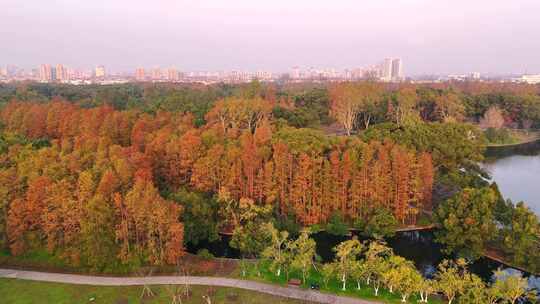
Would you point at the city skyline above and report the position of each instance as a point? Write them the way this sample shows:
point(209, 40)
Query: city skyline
point(389, 69)
point(433, 37)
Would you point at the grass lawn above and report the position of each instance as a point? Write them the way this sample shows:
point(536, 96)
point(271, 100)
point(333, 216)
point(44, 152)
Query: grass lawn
point(14, 291)
point(65, 293)
point(44, 261)
point(334, 286)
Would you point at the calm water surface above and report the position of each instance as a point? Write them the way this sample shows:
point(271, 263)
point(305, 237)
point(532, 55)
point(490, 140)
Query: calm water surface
point(516, 170)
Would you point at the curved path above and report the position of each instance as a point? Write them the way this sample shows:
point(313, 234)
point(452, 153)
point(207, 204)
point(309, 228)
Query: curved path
point(288, 292)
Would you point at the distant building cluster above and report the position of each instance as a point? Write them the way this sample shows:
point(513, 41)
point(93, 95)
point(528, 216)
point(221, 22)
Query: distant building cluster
point(62, 74)
point(157, 74)
point(389, 70)
point(530, 79)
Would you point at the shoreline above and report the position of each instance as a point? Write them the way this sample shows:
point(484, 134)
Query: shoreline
point(494, 256)
point(534, 137)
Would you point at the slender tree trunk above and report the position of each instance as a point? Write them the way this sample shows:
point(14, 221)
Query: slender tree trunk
point(367, 121)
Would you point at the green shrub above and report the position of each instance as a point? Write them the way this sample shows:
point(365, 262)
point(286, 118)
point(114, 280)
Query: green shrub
point(205, 254)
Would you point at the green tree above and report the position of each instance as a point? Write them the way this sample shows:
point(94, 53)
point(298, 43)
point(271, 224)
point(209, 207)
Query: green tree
point(250, 236)
point(404, 111)
point(358, 272)
point(410, 280)
point(511, 287)
point(328, 271)
point(303, 253)
point(347, 253)
point(199, 216)
point(396, 267)
point(276, 251)
point(467, 221)
point(376, 265)
point(520, 238)
point(381, 224)
point(337, 226)
point(453, 146)
point(426, 288)
point(450, 278)
point(97, 233)
point(250, 240)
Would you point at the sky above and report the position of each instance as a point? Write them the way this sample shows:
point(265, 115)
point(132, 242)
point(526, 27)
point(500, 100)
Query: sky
point(431, 36)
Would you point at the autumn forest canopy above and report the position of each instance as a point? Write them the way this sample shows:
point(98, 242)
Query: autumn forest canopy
point(114, 176)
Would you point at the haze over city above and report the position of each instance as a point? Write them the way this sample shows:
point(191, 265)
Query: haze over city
point(431, 37)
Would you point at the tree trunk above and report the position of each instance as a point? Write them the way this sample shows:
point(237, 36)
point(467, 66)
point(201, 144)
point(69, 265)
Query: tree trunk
point(366, 122)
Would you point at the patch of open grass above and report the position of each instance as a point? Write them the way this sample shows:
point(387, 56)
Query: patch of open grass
point(41, 260)
point(14, 291)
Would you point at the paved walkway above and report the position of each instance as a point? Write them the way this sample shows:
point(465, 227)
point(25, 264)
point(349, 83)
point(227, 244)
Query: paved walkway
point(288, 292)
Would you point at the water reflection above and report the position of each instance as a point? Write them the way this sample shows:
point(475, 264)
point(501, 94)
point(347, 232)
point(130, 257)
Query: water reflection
point(516, 169)
point(417, 246)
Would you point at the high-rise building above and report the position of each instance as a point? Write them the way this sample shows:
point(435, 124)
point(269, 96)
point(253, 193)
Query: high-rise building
point(99, 71)
point(61, 73)
point(172, 74)
point(156, 74)
point(34, 73)
point(397, 69)
point(45, 73)
point(53, 74)
point(295, 73)
point(139, 74)
point(386, 69)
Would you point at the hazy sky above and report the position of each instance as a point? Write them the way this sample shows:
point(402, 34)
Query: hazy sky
point(431, 36)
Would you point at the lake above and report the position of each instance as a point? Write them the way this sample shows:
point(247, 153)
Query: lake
point(516, 170)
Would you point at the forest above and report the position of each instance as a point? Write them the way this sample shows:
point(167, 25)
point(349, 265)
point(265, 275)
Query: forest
point(113, 177)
